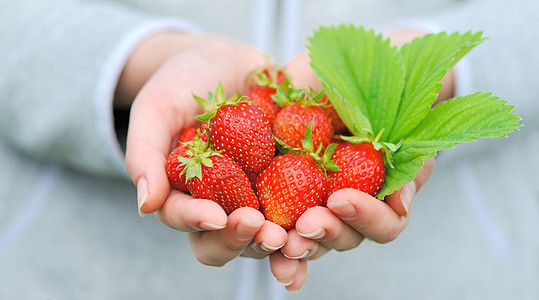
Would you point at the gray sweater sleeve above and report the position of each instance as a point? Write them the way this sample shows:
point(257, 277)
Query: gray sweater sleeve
point(507, 62)
point(59, 68)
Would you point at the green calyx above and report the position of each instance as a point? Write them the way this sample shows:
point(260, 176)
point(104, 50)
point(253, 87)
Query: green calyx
point(199, 154)
point(291, 96)
point(322, 159)
point(387, 148)
point(269, 76)
point(214, 101)
point(288, 97)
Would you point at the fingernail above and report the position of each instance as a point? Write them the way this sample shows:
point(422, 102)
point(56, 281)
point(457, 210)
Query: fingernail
point(247, 229)
point(303, 255)
point(257, 247)
point(294, 291)
point(317, 234)
point(269, 248)
point(142, 194)
point(210, 226)
point(263, 248)
point(407, 195)
point(344, 209)
point(286, 283)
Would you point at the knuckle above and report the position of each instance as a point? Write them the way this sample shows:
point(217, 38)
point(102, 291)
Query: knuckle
point(221, 257)
point(208, 260)
point(391, 235)
point(352, 244)
point(231, 247)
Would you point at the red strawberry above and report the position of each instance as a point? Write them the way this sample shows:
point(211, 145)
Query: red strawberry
point(174, 168)
point(224, 182)
point(361, 167)
point(340, 145)
point(252, 179)
point(289, 186)
point(189, 139)
point(336, 122)
point(261, 97)
point(240, 131)
point(188, 134)
point(276, 75)
point(270, 76)
point(263, 84)
point(291, 122)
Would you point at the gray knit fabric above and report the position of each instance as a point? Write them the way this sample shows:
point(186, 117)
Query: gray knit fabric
point(69, 227)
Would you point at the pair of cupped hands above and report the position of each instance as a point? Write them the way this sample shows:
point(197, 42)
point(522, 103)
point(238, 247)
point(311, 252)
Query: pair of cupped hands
point(158, 82)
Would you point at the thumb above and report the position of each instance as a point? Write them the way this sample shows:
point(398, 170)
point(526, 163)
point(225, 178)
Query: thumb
point(401, 200)
point(159, 112)
point(148, 145)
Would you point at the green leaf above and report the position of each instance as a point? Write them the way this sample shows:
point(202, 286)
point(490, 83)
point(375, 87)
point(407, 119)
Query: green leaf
point(407, 161)
point(362, 74)
point(427, 60)
point(453, 122)
point(466, 118)
point(384, 95)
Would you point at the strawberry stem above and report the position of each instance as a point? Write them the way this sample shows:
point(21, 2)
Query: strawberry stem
point(377, 138)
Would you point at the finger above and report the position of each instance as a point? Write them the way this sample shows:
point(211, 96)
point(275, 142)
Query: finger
point(301, 73)
point(299, 278)
point(403, 35)
point(371, 217)
point(299, 247)
point(270, 238)
point(216, 248)
point(401, 200)
point(185, 213)
point(291, 273)
point(165, 105)
point(154, 124)
point(323, 226)
point(424, 174)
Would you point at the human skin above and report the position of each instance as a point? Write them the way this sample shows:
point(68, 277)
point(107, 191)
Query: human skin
point(350, 215)
point(157, 83)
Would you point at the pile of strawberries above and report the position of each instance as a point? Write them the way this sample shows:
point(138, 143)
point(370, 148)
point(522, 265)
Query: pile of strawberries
point(274, 148)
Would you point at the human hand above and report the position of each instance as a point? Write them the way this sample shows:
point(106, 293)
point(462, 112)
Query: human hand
point(349, 218)
point(161, 76)
point(350, 215)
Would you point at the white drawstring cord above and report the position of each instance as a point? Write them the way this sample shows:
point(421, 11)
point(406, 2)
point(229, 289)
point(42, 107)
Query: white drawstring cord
point(476, 202)
point(23, 221)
